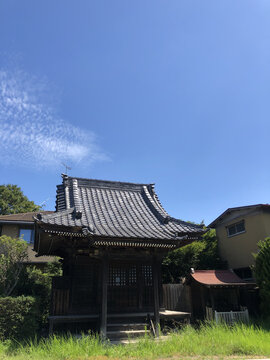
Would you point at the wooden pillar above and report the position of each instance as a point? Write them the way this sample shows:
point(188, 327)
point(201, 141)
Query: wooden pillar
point(238, 298)
point(212, 299)
point(156, 295)
point(202, 292)
point(140, 286)
point(160, 286)
point(104, 290)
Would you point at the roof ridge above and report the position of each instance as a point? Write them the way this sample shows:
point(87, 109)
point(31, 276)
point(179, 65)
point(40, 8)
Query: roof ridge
point(158, 211)
point(66, 177)
point(75, 194)
point(183, 222)
point(156, 199)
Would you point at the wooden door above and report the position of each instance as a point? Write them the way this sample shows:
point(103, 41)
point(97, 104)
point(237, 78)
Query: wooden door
point(130, 287)
point(85, 286)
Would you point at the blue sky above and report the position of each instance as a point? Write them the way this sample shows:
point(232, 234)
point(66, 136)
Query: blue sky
point(171, 92)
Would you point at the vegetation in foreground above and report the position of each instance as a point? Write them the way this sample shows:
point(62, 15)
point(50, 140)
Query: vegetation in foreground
point(208, 341)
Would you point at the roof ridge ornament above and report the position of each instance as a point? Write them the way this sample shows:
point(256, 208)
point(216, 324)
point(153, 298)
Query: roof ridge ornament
point(88, 230)
point(38, 216)
point(166, 219)
point(64, 176)
point(77, 214)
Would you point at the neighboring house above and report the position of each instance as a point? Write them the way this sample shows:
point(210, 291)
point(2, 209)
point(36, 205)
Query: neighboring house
point(238, 231)
point(22, 225)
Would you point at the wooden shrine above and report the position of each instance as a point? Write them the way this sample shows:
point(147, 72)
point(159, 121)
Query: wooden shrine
point(111, 237)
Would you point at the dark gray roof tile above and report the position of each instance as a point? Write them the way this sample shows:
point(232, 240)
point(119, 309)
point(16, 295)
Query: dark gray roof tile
point(115, 209)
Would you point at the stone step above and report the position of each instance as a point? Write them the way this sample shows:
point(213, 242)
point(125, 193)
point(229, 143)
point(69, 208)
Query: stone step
point(161, 338)
point(125, 334)
point(123, 341)
point(125, 320)
point(126, 326)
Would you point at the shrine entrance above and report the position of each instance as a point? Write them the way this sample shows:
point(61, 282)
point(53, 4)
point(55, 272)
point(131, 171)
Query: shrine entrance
point(130, 287)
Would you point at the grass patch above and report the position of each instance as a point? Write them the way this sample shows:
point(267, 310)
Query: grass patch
point(207, 341)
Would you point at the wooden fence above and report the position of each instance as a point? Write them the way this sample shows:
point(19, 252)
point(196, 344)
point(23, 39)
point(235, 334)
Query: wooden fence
point(232, 317)
point(228, 317)
point(177, 297)
point(60, 301)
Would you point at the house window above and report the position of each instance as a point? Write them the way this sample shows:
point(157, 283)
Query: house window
point(236, 228)
point(27, 235)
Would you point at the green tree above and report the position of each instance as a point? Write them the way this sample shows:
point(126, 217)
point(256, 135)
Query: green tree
point(13, 252)
point(201, 254)
point(262, 274)
point(13, 201)
point(37, 283)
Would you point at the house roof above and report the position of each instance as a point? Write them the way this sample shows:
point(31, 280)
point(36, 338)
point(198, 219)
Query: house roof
point(217, 278)
point(27, 218)
point(114, 209)
point(239, 208)
point(22, 217)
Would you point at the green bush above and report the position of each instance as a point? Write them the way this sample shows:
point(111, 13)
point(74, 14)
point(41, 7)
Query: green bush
point(37, 283)
point(18, 317)
point(262, 273)
point(13, 252)
point(201, 254)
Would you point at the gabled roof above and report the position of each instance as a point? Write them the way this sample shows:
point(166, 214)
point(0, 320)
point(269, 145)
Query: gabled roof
point(234, 209)
point(114, 210)
point(217, 278)
point(22, 217)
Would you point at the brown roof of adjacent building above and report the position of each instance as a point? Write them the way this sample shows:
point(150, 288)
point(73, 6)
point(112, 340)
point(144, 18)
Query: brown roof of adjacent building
point(24, 217)
point(217, 277)
point(239, 208)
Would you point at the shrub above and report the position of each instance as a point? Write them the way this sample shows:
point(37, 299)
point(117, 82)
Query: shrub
point(200, 254)
point(18, 317)
point(262, 271)
point(12, 254)
point(37, 283)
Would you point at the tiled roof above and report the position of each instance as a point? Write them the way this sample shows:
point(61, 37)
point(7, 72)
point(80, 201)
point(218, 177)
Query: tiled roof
point(114, 209)
point(24, 217)
point(217, 277)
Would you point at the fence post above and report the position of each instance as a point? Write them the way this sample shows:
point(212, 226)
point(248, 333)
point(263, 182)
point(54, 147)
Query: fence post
point(246, 315)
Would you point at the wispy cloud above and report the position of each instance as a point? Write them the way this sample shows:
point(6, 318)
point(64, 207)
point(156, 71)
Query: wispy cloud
point(31, 134)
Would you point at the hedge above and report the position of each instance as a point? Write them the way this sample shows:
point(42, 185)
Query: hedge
point(18, 317)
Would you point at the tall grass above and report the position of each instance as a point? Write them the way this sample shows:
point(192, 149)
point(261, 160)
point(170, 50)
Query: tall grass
point(207, 340)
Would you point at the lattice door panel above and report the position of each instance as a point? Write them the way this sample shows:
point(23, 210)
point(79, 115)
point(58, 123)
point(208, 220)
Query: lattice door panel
point(122, 287)
point(130, 287)
point(147, 279)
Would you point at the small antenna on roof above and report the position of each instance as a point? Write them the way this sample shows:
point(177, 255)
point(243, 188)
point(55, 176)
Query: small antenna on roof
point(43, 204)
point(67, 167)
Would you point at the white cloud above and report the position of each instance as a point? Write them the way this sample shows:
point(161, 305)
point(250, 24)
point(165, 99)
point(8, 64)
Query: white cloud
point(31, 134)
